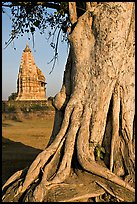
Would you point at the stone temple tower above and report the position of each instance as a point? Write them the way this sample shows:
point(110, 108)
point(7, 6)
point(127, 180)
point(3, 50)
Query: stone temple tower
point(31, 81)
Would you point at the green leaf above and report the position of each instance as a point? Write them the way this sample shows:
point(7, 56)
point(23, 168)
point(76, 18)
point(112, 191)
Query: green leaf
point(57, 12)
point(98, 146)
point(36, 23)
point(98, 154)
point(97, 149)
point(32, 29)
point(101, 156)
point(103, 149)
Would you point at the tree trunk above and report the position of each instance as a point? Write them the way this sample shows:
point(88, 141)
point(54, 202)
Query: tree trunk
point(95, 108)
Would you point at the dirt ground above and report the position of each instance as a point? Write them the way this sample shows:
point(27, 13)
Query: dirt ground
point(22, 141)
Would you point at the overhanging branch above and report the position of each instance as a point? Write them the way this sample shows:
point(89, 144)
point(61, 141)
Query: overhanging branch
point(45, 4)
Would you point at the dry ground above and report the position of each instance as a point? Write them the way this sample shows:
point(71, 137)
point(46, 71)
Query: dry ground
point(22, 141)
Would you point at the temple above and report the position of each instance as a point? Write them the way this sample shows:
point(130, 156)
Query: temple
point(31, 81)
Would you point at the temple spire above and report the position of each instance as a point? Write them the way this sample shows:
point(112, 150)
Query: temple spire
point(31, 81)
point(27, 49)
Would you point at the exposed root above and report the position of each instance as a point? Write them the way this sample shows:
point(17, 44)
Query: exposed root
point(110, 192)
point(96, 169)
point(14, 177)
point(65, 166)
point(46, 161)
point(49, 171)
point(50, 176)
point(55, 169)
point(87, 162)
point(44, 156)
point(115, 122)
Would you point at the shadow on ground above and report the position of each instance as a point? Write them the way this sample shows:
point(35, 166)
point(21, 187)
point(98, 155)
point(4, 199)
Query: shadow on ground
point(6, 125)
point(15, 156)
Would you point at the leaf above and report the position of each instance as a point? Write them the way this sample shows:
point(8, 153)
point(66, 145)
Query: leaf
point(32, 29)
point(98, 154)
point(103, 149)
point(98, 145)
point(91, 144)
point(57, 12)
point(101, 156)
point(97, 148)
point(36, 23)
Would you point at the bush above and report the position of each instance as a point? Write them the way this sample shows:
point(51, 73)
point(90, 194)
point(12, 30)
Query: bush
point(50, 98)
point(3, 107)
point(38, 107)
point(25, 109)
point(10, 109)
point(12, 97)
point(16, 118)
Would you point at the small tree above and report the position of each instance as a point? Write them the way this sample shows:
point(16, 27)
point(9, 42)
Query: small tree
point(12, 97)
point(94, 110)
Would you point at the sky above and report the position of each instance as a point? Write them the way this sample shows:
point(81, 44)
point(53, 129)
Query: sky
point(42, 53)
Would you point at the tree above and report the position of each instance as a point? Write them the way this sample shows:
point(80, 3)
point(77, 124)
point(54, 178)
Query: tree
point(91, 150)
point(12, 97)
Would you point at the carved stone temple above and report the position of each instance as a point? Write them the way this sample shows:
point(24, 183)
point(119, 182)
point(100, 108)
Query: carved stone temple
point(31, 81)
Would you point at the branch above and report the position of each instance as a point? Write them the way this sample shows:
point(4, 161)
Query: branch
point(88, 6)
point(56, 53)
point(72, 12)
point(45, 4)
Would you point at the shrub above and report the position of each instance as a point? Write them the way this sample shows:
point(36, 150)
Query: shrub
point(10, 109)
point(38, 107)
point(25, 109)
point(12, 97)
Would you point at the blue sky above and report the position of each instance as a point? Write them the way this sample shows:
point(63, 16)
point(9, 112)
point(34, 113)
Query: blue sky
point(42, 53)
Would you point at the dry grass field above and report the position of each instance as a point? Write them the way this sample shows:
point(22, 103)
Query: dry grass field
point(22, 141)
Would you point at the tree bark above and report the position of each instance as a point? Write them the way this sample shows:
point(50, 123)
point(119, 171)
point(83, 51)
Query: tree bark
point(94, 107)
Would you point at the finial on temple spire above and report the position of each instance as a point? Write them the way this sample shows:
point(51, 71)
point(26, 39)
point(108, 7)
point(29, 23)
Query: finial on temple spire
point(27, 48)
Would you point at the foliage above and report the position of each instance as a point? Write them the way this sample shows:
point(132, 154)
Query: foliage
point(12, 97)
point(27, 17)
point(34, 108)
point(3, 107)
point(25, 107)
point(16, 118)
point(10, 109)
point(50, 98)
point(37, 107)
point(99, 151)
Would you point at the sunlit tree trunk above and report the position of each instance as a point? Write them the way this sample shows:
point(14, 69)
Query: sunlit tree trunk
point(95, 107)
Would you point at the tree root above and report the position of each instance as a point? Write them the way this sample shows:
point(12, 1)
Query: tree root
point(55, 170)
point(86, 159)
point(115, 125)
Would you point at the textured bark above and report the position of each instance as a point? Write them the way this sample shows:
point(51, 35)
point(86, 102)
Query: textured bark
point(95, 106)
